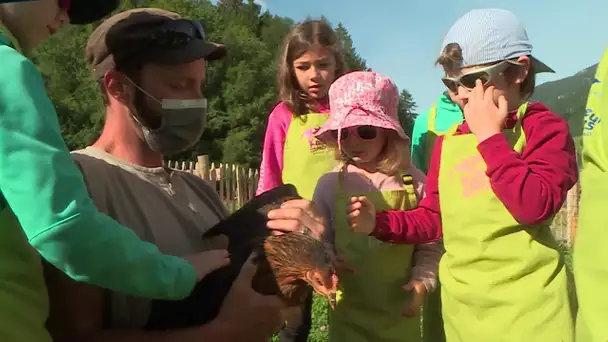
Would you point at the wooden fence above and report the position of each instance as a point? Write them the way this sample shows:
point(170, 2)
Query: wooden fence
point(565, 222)
point(236, 185)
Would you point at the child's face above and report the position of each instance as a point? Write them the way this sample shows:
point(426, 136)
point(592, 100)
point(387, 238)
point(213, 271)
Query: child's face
point(315, 70)
point(504, 76)
point(32, 22)
point(363, 144)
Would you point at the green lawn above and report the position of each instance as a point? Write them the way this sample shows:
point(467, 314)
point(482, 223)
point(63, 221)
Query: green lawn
point(318, 332)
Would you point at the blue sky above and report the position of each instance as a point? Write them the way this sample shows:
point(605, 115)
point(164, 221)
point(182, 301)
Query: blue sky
point(401, 38)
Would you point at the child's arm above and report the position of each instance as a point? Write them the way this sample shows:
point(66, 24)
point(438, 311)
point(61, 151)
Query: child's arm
point(426, 262)
point(323, 199)
point(533, 185)
point(271, 167)
point(419, 225)
point(424, 275)
point(43, 187)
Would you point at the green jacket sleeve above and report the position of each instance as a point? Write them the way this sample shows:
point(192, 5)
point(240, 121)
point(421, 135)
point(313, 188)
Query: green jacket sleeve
point(419, 141)
point(42, 186)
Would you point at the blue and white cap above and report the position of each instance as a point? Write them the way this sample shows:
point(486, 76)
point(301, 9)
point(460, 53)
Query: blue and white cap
point(491, 35)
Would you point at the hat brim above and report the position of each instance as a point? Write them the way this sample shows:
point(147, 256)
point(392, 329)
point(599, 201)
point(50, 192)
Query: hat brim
point(196, 49)
point(540, 66)
point(82, 12)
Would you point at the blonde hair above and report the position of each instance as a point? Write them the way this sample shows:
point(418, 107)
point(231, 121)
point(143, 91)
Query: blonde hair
point(394, 156)
point(451, 59)
point(304, 36)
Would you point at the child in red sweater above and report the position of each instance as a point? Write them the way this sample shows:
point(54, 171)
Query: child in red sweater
point(494, 184)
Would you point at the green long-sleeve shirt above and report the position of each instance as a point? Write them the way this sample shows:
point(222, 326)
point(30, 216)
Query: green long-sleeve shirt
point(42, 186)
point(447, 113)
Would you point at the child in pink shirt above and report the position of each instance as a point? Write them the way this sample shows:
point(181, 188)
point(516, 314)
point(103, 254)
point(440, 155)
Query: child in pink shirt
point(310, 62)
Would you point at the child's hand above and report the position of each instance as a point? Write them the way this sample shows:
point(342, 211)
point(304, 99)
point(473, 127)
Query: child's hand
point(418, 292)
point(361, 215)
point(209, 261)
point(484, 116)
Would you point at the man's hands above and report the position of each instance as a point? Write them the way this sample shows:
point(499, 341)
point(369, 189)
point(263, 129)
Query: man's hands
point(361, 215)
point(249, 315)
point(483, 114)
point(209, 261)
point(297, 216)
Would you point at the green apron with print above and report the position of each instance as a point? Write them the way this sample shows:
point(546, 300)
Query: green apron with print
point(432, 323)
point(501, 281)
point(306, 158)
point(370, 303)
point(590, 252)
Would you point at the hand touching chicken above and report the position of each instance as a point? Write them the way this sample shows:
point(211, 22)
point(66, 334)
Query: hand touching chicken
point(418, 292)
point(361, 215)
point(209, 261)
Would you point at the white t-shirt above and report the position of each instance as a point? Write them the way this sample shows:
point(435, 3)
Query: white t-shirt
point(169, 208)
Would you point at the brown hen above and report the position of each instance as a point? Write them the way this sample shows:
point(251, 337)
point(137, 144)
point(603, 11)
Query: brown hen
point(287, 265)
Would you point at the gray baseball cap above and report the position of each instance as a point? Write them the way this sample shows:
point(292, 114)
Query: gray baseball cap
point(491, 35)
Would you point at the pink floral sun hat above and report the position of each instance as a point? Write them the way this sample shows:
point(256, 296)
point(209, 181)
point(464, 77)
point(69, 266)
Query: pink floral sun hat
point(362, 98)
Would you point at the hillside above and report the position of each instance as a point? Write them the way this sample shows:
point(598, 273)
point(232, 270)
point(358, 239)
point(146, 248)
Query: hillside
point(568, 97)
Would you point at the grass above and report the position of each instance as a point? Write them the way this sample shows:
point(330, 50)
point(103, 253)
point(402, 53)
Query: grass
point(318, 331)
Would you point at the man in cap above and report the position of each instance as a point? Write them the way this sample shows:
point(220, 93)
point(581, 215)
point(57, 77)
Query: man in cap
point(43, 199)
point(151, 65)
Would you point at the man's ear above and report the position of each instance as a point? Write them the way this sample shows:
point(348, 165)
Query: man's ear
point(117, 86)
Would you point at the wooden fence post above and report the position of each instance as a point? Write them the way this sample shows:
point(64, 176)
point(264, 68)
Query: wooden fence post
point(572, 202)
point(202, 166)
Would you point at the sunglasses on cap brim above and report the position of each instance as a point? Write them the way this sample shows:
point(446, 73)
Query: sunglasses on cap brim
point(486, 75)
point(176, 34)
point(364, 132)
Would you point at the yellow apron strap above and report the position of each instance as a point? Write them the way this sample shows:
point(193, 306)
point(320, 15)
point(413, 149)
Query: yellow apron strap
point(517, 129)
point(408, 182)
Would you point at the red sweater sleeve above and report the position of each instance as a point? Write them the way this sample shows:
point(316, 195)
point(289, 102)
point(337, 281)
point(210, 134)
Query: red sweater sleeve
point(533, 185)
point(419, 225)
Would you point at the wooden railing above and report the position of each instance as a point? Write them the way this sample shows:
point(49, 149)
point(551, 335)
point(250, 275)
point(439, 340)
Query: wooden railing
point(235, 184)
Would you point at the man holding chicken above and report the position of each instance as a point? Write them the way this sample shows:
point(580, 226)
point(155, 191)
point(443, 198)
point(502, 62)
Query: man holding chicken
point(151, 65)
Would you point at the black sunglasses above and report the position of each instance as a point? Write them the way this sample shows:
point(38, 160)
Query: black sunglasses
point(484, 74)
point(364, 132)
point(175, 34)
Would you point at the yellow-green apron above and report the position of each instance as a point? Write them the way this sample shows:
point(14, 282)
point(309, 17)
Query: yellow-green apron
point(432, 323)
point(370, 303)
point(501, 281)
point(590, 251)
point(306, 158)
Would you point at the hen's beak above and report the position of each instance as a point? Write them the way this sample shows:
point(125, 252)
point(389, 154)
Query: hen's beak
point(331, 299)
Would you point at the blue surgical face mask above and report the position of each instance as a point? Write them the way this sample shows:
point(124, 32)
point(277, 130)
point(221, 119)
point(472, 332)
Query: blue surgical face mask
point(182, 122)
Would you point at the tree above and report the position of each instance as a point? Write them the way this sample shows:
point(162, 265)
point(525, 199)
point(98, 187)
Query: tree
point(240, 89)
point(353, 61)
point(406, 114)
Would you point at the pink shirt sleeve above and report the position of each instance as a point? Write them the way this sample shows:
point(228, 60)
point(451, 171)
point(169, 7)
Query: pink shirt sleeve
point(271, 167)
